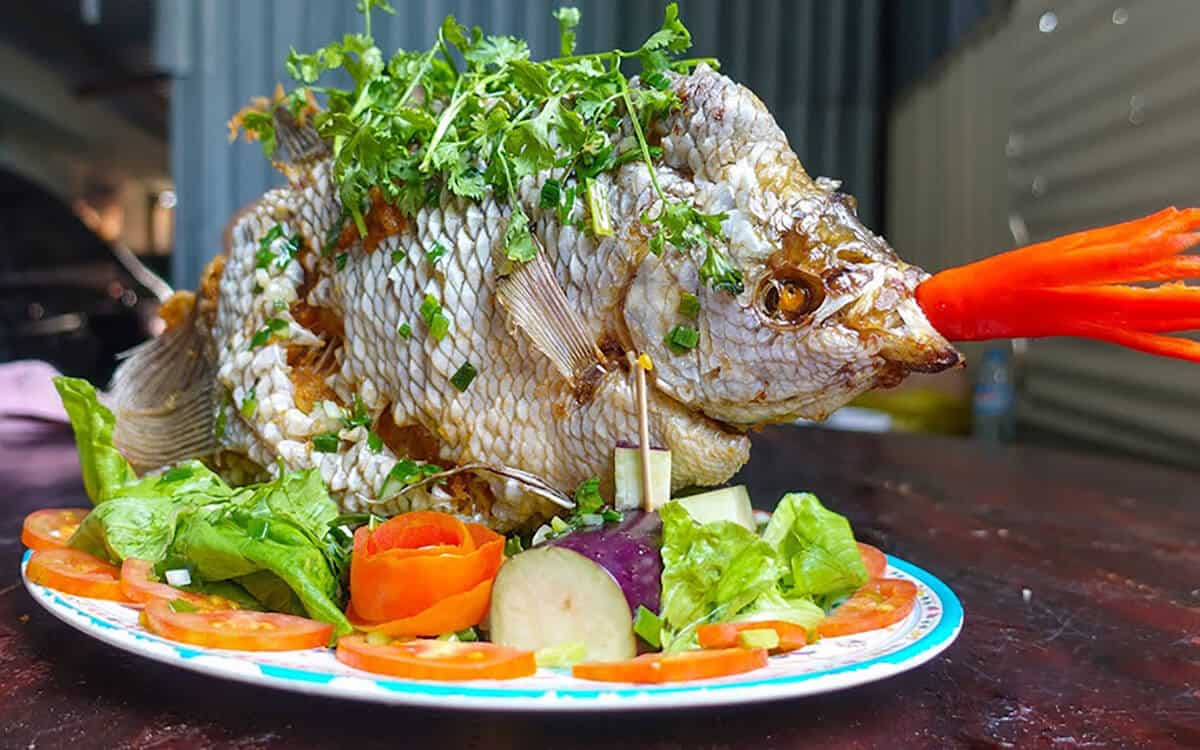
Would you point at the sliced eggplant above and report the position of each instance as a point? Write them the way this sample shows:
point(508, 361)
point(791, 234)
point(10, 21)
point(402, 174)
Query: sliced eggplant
point(549, 596)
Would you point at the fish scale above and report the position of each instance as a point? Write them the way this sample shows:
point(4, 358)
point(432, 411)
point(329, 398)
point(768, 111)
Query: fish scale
point(722, 152)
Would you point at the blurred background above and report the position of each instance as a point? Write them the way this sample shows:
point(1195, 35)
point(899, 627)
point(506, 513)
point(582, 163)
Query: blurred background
point(964, 127)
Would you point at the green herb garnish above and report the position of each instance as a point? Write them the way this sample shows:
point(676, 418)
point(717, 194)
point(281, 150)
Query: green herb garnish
point(339, 262)
point(462, 377)
point(182, 605)
point(249, 405)
point(435, 253)
point(398, 256)
point(268, 258)
point(326, 442)
point(374, 442)
point(473, 113)
point(405, 331)
point(359, 417)
point(689, 305)
point(682, 339)
point(587, 496)
point(263, 335)
point(405, 472)
point(434, 317)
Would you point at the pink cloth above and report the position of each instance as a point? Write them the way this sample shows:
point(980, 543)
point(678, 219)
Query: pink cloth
point(26, 390)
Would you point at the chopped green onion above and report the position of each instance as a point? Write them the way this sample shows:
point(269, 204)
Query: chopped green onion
point(339, 262)
point(513, 546)
point(561, 655)
point(181, 605)
point(612, 516)
point(405, 331)
point(597, 200)
point(374, 442)
point(267, 258)
point(398, 256)
point(682, 339)
point(358, 414)
point(759, 638)
point(222, 421)
point(558, 525)
point(462, 377)
point(249, 404)
point(405, 472)
point(648, 626)
point(439, 327)
point(591, 519)
point(178, 577)
point(326, 442)
point(689, 305)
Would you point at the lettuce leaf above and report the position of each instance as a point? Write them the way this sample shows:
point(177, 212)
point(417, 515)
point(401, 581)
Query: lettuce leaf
point(104, 468)
point(816, 547)
point(273, 541)
point(711, 572)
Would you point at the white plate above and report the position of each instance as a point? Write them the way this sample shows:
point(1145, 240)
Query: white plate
point(830, 664)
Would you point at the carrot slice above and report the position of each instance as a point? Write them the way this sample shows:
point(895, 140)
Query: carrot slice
point(691, 665)
point(449, 615)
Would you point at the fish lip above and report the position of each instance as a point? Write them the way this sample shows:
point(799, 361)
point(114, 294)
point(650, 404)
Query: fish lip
point(944, 358)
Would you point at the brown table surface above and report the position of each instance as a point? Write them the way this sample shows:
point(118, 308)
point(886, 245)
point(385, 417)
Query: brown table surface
point(1103, 651)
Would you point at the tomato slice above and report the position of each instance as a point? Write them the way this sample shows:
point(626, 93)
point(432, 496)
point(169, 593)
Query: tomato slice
point(50, 528)
point(691, 665)
point(398, 583)
point(876, 605)
point(454, 613)
point(436, 660)
point(235, 629)
point(875, 560)
point(138, 583)
point(75, 572)
point(725, 634)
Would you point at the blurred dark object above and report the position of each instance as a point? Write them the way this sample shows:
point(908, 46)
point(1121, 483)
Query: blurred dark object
point(66, 296)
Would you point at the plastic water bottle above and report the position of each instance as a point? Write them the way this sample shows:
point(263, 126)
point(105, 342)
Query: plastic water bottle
point(994, 403)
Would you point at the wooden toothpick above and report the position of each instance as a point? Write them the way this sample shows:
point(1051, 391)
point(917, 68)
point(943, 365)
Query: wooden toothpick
point(643, 431)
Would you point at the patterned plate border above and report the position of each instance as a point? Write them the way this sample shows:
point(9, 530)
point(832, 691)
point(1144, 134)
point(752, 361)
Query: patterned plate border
point(935, 623)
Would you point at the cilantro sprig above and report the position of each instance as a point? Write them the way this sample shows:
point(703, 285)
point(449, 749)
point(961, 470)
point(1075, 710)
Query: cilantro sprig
point(474, 113)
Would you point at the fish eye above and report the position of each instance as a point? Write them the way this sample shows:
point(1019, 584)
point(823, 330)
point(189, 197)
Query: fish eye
point(786, 299)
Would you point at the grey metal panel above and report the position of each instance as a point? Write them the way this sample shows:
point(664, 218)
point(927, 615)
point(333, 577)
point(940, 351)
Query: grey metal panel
point(814, 63)
point(1101, 123)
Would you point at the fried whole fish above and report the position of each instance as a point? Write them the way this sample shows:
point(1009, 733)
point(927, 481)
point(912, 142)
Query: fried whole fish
point(356, 360)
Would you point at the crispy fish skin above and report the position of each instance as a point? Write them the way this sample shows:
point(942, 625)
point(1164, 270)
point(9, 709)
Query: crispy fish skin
point(753, 365)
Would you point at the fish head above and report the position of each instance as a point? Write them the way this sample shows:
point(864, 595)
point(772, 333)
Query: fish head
point(827, 310)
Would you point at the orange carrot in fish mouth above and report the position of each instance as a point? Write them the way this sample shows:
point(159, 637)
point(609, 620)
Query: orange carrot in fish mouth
point(1080, 285)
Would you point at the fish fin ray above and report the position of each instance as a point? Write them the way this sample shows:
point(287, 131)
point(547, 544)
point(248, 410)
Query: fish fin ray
point(164, 397)
point(298, 142)
point(538, 306)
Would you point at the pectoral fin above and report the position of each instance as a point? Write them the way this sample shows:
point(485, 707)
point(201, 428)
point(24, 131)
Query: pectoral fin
point(164, 398)
point(538, 306)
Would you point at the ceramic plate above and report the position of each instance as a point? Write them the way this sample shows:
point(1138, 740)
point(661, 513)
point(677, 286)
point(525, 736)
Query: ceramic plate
point(830, 664)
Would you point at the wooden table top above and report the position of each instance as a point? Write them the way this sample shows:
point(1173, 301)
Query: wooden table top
point(1080, 578)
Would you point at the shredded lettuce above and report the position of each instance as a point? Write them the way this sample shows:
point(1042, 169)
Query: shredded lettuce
point(805, 559)
point(817, 548)
point(711, 572)
point(275, 543)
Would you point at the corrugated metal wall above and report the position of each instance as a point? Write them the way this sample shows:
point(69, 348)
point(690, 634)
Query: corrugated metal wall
point(814, 62)
point(1073, 113)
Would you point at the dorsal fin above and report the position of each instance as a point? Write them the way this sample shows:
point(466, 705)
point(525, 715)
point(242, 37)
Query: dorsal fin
point(296, 139)
point(164, 398)
point(537, 305)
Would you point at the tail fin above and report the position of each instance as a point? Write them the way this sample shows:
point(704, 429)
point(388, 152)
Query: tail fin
point(164, 398)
